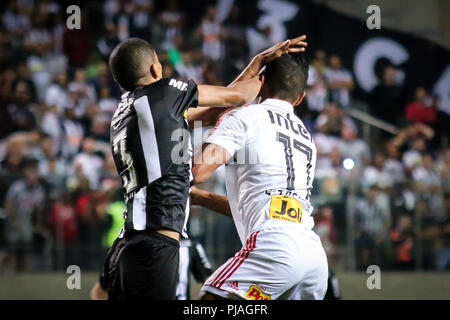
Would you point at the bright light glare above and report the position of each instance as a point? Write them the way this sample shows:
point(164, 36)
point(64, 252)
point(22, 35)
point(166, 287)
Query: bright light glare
point(348, 164)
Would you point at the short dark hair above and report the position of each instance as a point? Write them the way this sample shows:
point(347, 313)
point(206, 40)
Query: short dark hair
point(286, 76)
point(127, 62)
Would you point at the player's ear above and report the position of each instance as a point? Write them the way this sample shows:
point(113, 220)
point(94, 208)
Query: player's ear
point(156, 71)
point(261, 78)
point(299, 100)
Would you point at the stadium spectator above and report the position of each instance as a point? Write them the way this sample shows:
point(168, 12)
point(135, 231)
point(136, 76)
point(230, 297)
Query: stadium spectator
point(377, 175)
point(387, 98)
point(171, 21)
point(324, 227)
point(108, 41)
point(211, 34)
point(16, 22)
point(372, 223)
point(428, 185)
point(235, 42)
point(317, 93)
point(443, 254)
point(24, 206)
point(21, 110)
point(402, 236)
point(333, 119)
point(93, 223)
point(340, 81)
point(64, 225)
point(89, 163)
point(421, 110)
point(352, 147)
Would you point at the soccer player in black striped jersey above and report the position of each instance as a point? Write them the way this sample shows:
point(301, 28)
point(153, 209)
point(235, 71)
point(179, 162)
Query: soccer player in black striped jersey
point(147, 131)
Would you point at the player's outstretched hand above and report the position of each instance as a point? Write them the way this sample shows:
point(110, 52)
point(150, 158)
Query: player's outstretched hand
point(253, 69)
point(291, 45)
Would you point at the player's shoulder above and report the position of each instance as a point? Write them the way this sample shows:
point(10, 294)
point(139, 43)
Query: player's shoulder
point(166, 85)
point(247, 113)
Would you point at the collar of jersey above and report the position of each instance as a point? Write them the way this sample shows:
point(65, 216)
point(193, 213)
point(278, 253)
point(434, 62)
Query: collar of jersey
point(286, 106)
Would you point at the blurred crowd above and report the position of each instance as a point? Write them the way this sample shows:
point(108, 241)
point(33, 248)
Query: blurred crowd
point(60, 196)
point(387, 196)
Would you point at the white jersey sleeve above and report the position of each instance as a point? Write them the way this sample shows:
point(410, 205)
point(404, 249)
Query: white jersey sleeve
point(230, 132)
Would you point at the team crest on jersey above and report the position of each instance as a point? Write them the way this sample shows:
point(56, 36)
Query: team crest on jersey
point(255, 293)
point(286, 208)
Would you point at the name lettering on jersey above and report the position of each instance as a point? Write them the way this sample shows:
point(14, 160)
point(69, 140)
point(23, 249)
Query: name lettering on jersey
point(286, 208)
point(255, 293)
point(123, 109)
point(288, 123)
point(180, 85)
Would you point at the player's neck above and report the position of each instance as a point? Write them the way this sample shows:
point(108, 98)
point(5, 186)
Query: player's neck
point(147, 80)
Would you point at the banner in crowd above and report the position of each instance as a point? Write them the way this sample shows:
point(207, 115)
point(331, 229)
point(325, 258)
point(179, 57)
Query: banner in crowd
point(363, 51)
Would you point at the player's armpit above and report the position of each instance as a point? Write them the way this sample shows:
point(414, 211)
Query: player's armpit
point(210, 201)
point(211, 157)
point(239, 93)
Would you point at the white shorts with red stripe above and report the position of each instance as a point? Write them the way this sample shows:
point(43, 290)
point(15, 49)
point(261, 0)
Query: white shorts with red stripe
point(276, 263)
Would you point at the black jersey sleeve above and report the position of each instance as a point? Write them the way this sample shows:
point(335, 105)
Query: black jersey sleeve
point(183, 95)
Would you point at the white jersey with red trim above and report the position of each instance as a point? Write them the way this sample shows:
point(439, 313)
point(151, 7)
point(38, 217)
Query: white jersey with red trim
point(270, 175)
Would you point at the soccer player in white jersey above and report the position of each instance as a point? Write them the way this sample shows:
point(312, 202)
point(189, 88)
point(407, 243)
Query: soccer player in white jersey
point(270, 160)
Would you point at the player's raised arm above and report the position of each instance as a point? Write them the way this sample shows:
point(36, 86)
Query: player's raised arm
point(238, 94)
point(212, 157)
point(245, 87)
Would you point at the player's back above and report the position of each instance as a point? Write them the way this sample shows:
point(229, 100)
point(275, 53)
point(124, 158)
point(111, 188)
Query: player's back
point(275, 162)
point(152, 155)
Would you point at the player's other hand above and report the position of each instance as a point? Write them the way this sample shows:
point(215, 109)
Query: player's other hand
point(291, 45)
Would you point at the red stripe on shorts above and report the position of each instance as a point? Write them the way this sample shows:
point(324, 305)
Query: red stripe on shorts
point(251, 244)
point(232, 262)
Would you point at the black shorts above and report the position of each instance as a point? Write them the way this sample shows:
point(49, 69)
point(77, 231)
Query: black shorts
point(143, 265)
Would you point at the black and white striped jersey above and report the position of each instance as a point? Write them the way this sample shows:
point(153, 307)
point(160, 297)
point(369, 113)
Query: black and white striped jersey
point(152, 153)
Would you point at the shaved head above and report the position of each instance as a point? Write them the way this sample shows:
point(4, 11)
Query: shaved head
point(130, 62)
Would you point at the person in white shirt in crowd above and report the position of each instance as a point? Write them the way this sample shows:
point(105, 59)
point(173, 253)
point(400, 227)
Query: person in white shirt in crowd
point(428, 183)
point(211, 31)
point(444, 169)
point(56, 94)
point(56, 101)
point(393, 163)
point(16, 22)
point(171, 19)
point(372, 222)
point(413, 156)
point(89, 163)
point(325, 144)
point(377, 175)
point(84, 87)
point(72, 134)
point(353, 148)
point(340, 81)
point(333, 119)
point(107, 103)
point(317, 93)
point(24, 208)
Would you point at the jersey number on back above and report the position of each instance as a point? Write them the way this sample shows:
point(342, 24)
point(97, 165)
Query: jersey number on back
point(286, 141)
point(128, 174)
